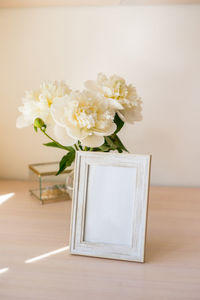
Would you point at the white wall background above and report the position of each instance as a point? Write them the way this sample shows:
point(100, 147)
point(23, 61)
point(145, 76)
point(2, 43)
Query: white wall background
point(157, 48)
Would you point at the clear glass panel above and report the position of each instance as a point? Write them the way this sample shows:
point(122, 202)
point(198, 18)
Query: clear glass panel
point(48, 188)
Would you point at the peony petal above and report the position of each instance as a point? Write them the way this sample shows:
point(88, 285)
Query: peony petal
point(50, 129)
point(91, 85)
point(101, 77)
point(93, 141)
point(62, 137)
point(121, 116)
point(115, 104)
point(57, 110)
point(110, 131)
point(76, 132)
point(21, 122)
point(132, 116)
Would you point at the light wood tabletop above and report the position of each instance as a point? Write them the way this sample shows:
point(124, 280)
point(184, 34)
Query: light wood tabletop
point(28, 230)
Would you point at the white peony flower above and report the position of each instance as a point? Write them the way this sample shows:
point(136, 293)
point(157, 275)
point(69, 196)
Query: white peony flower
point(116, 89)
point(83, 116)
point(36, 104)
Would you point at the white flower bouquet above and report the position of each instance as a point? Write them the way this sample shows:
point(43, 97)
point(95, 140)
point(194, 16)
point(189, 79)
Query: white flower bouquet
point(87, 120)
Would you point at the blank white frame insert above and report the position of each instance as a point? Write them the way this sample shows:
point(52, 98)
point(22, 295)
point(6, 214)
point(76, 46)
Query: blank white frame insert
point(107, 222)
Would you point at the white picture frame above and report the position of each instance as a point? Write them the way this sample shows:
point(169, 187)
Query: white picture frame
point(109, 207)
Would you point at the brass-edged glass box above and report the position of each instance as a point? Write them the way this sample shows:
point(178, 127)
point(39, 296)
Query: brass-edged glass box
point(47, 187)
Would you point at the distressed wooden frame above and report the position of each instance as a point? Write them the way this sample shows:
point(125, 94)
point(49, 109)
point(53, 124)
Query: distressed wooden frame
point(135, 252)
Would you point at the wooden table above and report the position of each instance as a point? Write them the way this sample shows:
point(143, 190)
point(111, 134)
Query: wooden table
point(28, 230)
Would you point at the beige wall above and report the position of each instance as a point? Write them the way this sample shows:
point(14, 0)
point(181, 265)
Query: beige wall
point(155, 47)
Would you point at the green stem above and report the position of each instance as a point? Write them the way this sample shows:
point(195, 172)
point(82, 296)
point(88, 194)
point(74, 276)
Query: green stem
point(117, 139)
point(75, 146)
point(51, 138)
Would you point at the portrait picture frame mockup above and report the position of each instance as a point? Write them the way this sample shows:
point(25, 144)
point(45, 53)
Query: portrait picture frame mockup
point(109, 205)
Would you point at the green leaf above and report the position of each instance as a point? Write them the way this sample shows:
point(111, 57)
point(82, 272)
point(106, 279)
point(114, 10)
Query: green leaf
point(57, 145)
point(111, 143)
point(119, 123)
point(104, 148)
point(35, 128)
point(119, 144)
point(115, 143)
point(66, 161)
point(80, 146)
point(95, 149)
point(119, 150)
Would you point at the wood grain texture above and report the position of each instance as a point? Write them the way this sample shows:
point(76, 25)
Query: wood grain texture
point(28, 229)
